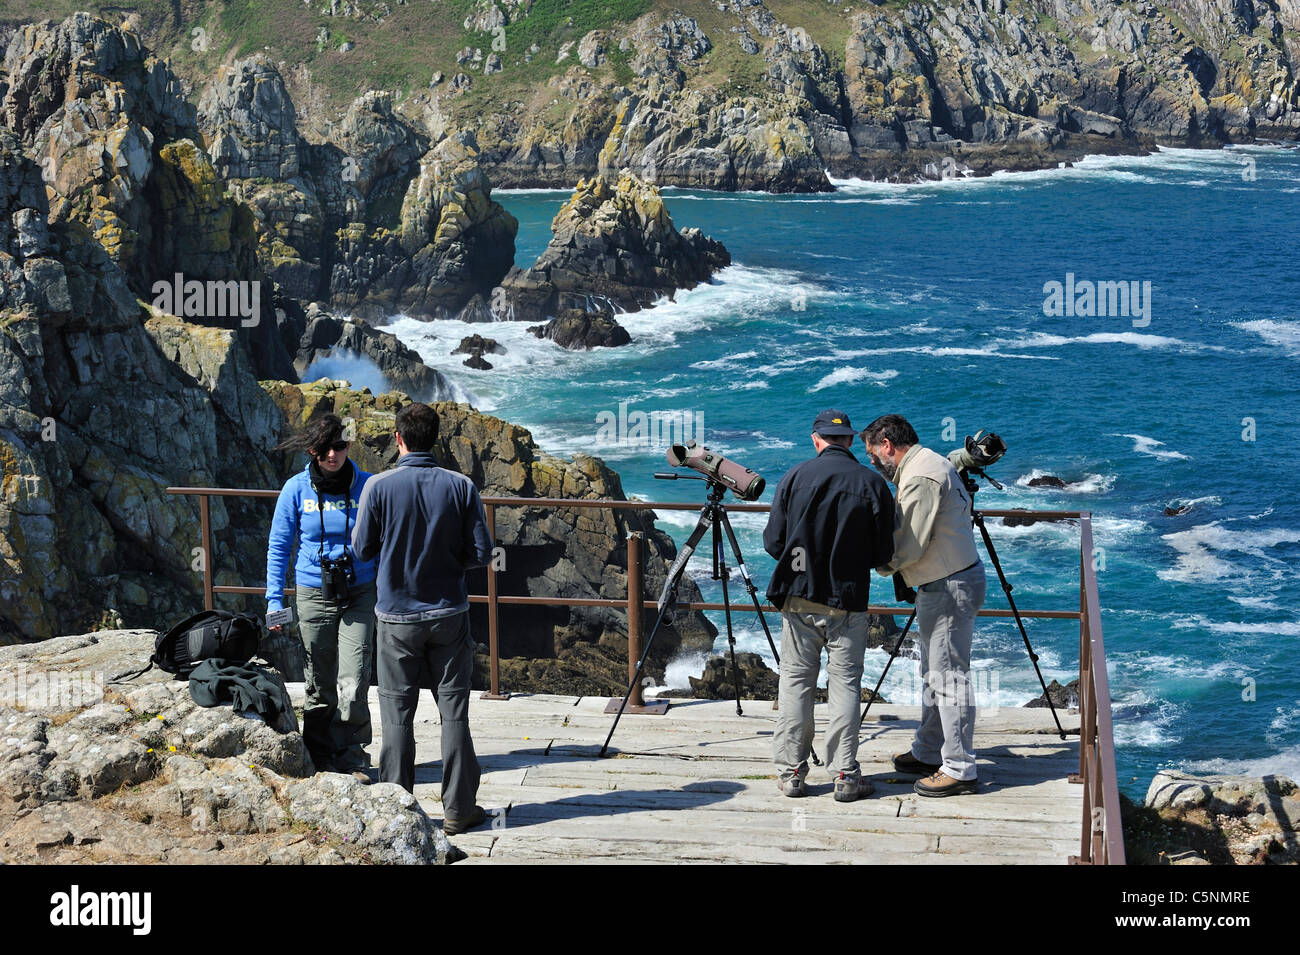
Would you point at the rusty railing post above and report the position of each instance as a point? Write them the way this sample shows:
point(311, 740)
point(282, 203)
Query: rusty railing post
point(205, 531)
point(634, 615)
point(494, 641)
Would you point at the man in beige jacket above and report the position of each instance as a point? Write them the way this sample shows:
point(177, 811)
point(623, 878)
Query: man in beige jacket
point(934, 551)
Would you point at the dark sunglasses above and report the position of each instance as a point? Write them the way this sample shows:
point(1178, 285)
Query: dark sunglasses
point(336, 446)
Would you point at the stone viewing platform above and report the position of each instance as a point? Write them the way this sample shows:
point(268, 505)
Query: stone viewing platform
point(698, 785)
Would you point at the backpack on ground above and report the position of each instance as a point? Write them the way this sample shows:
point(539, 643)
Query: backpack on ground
point(206, 635)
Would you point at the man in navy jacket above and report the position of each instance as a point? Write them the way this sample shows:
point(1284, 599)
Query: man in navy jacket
point(832, 521)
point(427, 527)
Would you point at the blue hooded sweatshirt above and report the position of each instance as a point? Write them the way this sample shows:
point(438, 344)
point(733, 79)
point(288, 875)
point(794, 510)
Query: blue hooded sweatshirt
point(298, 521)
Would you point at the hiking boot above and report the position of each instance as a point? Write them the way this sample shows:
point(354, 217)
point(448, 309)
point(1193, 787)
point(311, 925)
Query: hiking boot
point(907, 763)
point(793, 786)
point(454, 827)
point(351, 760)
point(941, 784)
point(849, 788)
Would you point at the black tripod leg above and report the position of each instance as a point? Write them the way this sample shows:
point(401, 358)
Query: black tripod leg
point(640, 663)
point(758, 607)
point(749, 585)
point(1006, 588)
point(720, 571)
point(666, 600)
point(888, 663)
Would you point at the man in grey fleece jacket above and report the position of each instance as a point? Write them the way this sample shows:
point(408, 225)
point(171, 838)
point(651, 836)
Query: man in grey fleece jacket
point(427, 527)
point(934, 550)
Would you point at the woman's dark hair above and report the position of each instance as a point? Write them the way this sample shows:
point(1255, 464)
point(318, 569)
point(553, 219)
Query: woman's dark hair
point(891, 426)
point(418, 425)
point(318, 433)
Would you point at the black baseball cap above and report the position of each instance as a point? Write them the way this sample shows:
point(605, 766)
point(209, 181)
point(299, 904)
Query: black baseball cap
point(833, 424)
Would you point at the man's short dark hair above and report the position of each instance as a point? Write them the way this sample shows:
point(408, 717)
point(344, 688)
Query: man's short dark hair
point(418, 425)
point(891, 426)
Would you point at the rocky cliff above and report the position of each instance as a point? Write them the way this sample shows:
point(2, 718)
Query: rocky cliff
point(722, 94)
point(137, 773)
point(104, 404)
point(900, 90)
point(108, 397)
point(613, 247)
point(373, 220)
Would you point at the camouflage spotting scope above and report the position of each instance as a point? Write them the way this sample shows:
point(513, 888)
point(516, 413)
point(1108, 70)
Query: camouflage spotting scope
point(744, 483)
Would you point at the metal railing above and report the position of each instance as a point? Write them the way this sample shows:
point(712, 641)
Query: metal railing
point(1101, 841)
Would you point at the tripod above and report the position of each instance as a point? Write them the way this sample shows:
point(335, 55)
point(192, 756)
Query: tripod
point(712, 515)
point(978, 520)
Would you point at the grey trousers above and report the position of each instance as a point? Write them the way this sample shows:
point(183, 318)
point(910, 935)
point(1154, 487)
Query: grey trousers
point(337, 662)
point(806, 627)
point(446, 648)
point(945, 619)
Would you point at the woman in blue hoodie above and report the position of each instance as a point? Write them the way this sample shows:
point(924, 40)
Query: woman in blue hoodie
point(316, 513)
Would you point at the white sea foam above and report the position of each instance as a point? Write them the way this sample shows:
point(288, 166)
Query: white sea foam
point(725, 362)
point(1142, 667)
point(1140, 721)
point(748, 385)
point(1280, 334)
point(846, 375)
point(1201, 550)
point(1284, 628)
point(1161, 166)
point(1210, 500)
point(1150, 446)
point(679, 670)
point(1088, 484)
point(939, 351)
point(1285, 762)
point(856, 331)
point(768, 441)
point(361, 371)
point(1254, 602)
point(1139, 340)
point(1285, 719)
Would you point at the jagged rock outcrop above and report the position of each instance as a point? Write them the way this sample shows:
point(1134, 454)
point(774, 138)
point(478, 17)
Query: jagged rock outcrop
point(102, 407)
point(657, 125)
point(925, 90)
point(119, 153)
point(982, 86)
point(475, 346)
point(578, 329)
point(1218, 820)
point(477, 343)
point(372, 221)
point(613, 247)
point(1062, 697)
point(402, 367)
point(757, 681)
point(562, 551)
point(136, 772)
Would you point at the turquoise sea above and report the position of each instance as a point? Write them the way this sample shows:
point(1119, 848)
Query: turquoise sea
point(928, 300)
